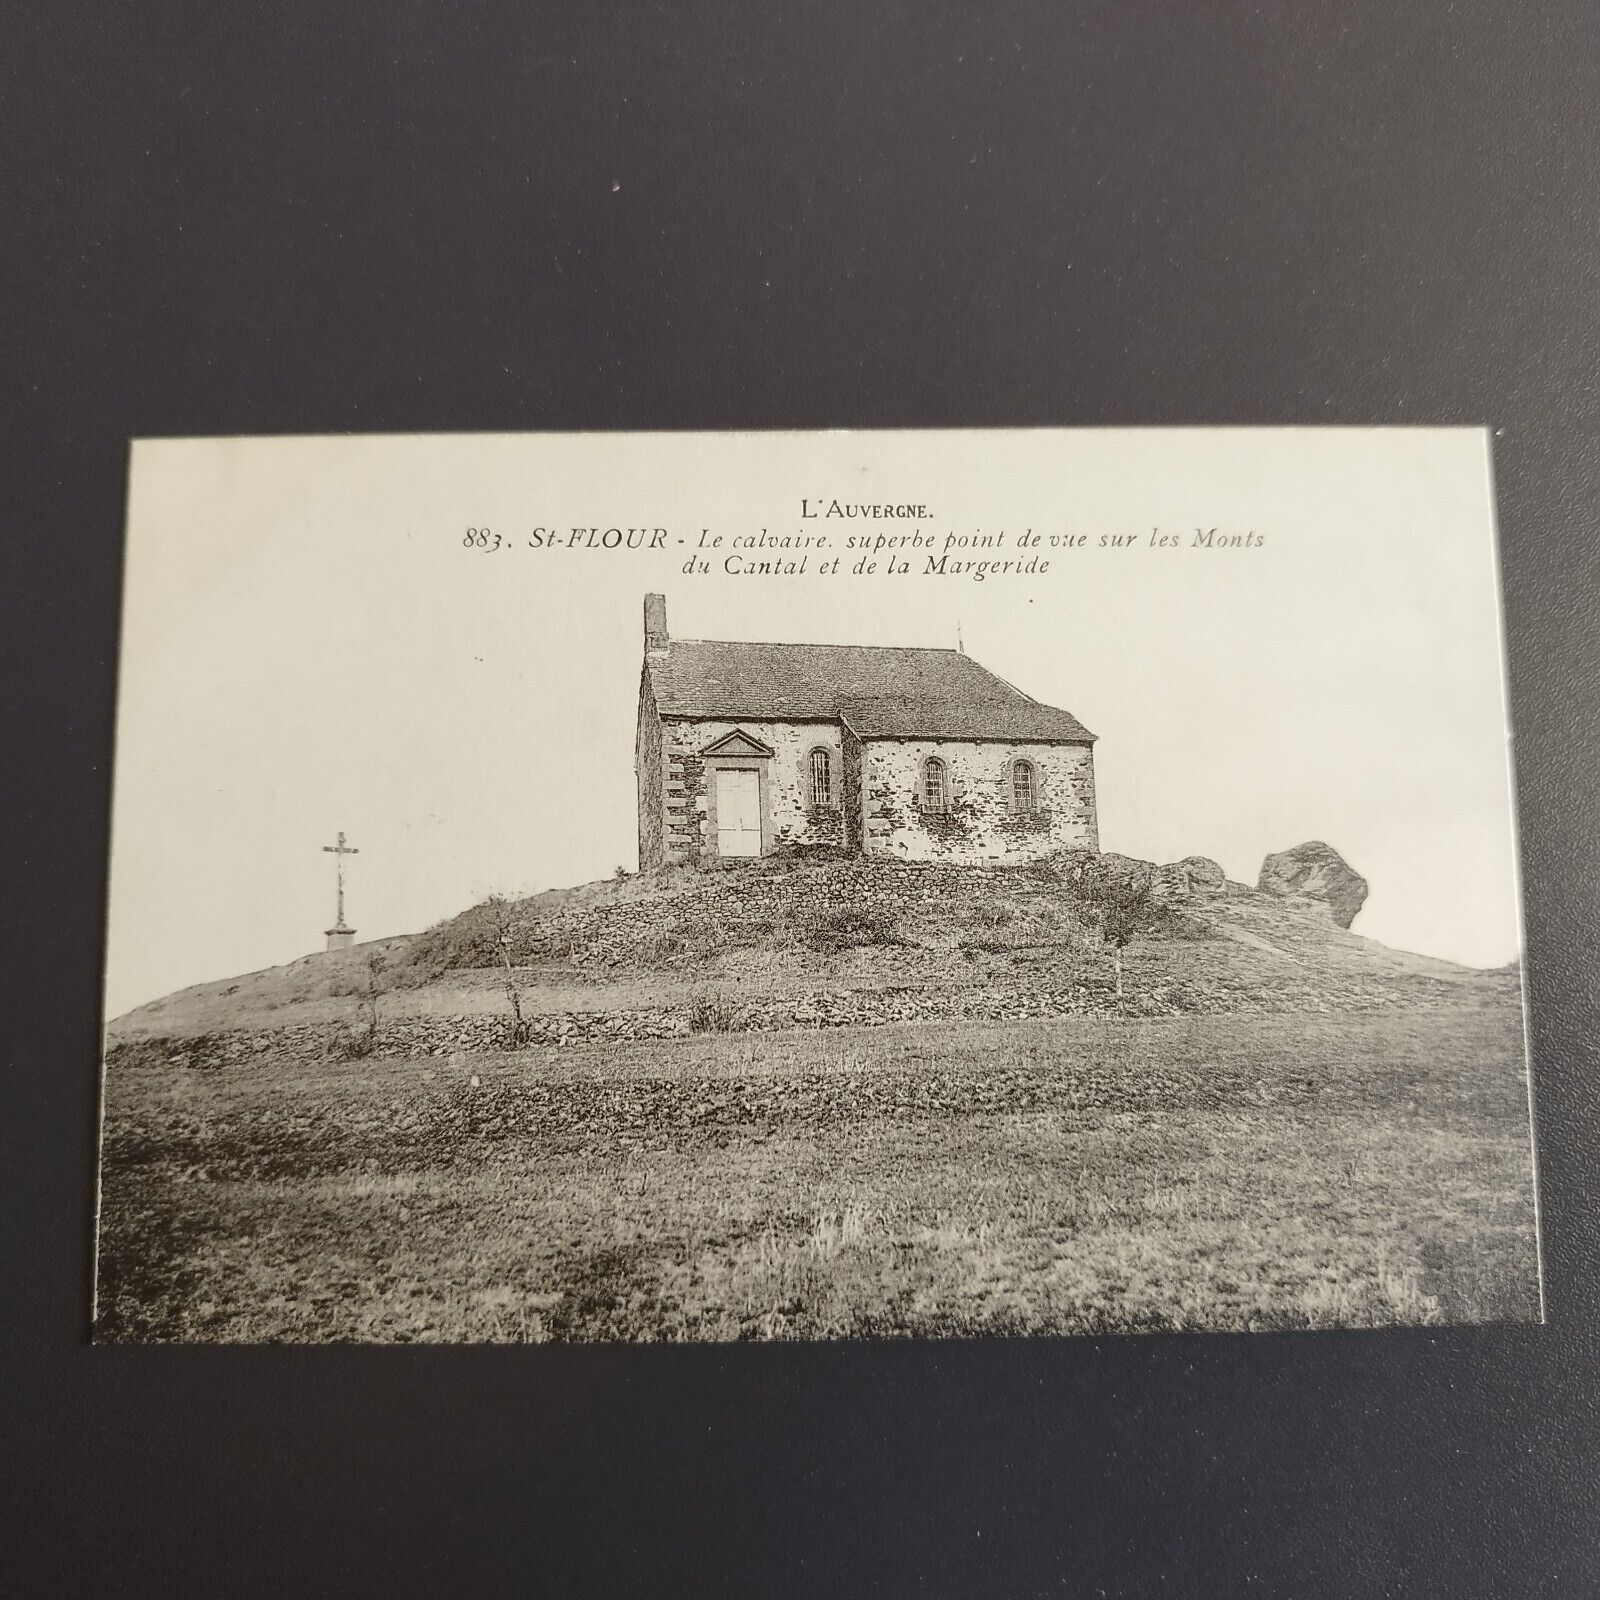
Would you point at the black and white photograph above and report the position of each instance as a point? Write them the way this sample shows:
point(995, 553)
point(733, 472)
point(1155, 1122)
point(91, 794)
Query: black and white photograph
point(813, 886)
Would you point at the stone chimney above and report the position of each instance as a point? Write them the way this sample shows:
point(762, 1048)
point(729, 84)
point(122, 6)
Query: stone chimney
point(655, 625)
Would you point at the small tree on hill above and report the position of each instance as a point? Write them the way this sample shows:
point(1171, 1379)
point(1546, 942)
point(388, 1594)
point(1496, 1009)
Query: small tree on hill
point(501, 921)
point(357, 1039)
point(1121, 904)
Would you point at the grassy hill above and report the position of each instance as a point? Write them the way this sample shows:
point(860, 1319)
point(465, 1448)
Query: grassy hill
point(820, 1100)
point(777, 930)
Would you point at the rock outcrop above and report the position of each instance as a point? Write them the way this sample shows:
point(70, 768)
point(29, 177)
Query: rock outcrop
point(1317, 872)
point(1195, 877)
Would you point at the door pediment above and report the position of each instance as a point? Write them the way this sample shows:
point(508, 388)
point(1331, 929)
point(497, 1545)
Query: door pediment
point(737, 743)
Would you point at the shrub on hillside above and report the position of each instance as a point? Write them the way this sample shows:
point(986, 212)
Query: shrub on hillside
point(357, 1038)
point(847, 928)
point(992, 914)
point(659, 944)
point(1004, 927)
point(711, 1013)
point(353, 1041)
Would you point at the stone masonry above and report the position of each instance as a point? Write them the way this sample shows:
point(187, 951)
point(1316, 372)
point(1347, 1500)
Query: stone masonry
point(791, 817)
point(980, 824)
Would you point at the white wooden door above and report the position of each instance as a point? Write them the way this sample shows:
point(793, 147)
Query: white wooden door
point(738, 812)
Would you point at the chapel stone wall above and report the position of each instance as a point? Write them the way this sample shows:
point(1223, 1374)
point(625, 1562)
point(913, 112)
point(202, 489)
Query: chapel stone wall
point(980, 824)
point(794, 819)
point(647, 759)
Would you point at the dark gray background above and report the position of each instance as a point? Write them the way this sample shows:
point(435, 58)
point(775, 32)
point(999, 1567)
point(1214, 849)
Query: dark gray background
point(298, 217)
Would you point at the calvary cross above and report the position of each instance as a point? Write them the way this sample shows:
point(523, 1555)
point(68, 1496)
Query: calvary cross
point(338, 934)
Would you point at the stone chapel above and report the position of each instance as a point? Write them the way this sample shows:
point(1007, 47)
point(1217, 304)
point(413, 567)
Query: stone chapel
point(744, 749)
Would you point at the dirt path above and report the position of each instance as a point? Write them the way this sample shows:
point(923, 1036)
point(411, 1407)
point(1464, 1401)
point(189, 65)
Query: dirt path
point(1259, 943)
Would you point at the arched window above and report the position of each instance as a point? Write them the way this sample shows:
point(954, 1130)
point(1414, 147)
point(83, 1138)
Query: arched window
point(821, 777)
point(1024, 787)
point(935, 785)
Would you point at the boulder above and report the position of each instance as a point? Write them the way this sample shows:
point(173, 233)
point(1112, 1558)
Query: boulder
point(1084, 868)
point(1194, 876)
point(1316, 871)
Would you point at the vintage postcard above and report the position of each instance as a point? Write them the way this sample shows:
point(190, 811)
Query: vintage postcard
point(813, 886)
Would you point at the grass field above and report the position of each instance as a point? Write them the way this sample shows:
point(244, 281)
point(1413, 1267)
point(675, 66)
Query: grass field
point(1049, 1176)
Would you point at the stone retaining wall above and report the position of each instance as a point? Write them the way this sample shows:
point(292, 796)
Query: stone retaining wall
point(409, 1037)
point(741, 901)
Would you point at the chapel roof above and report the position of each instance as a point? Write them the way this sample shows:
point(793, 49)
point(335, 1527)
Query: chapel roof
point(880, 691)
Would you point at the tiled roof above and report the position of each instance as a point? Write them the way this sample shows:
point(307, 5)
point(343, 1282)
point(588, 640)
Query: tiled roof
point(883, 691)
point(906, 717)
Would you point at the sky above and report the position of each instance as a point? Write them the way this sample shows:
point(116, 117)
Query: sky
point(310, 644)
